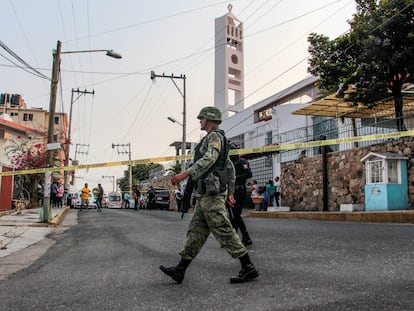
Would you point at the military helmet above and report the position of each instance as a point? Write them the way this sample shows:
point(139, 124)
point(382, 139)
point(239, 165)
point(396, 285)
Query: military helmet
point(210, 113)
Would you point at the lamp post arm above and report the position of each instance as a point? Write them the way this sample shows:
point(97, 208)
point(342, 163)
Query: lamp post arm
point(109, 53)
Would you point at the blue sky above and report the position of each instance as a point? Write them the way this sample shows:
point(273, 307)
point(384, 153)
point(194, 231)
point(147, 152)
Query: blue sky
point(175, 37)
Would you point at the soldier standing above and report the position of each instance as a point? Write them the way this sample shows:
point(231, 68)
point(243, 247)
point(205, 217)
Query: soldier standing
point(137, 196)
point(212, 172)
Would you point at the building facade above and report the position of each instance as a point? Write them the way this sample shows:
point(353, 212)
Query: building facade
point(36, 119)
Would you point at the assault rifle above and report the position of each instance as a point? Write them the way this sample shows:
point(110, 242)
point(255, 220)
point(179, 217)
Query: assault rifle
point(186, 202)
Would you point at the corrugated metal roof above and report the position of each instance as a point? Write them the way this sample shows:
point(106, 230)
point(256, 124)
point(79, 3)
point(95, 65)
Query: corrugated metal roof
point(331, 106)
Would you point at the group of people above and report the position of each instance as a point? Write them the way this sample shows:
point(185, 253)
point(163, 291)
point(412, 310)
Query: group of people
point(85, 197)
point(270, 192)
point(57, 192)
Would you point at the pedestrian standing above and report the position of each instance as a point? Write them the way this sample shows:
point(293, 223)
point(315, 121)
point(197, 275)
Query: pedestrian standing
point(85, 197)
point(254, 189)
point(179, 197)
point(60, 191)
point(277, 190)
point(151, 198)
point(270, 190)
point(243, 172)
point(53, 191)
point(137, 197)
point(99, 197)
point(264, 194)
point(213, 176)
point(126, 200)
point(40, 193)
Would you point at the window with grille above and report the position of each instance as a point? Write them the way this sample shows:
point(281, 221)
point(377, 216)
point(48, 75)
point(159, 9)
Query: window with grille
point(375, 172)
point(393, 172)
point(28, 117)
point(383, 171)
point(261, 170)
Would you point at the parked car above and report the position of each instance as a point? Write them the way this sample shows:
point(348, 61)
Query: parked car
point(71, 198)
point(78, 201)
point(114, 200)
point(162, 199)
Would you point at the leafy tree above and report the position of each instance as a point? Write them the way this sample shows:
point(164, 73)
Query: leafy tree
point(25, 155)
point(140, 172)
point(375, 58)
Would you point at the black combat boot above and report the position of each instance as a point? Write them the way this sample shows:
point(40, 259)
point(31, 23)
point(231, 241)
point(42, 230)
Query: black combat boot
point(247, 273)
point(177, 272)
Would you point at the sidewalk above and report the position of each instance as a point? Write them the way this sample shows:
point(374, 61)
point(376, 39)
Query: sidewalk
point(401, 216)
point(31, 217)
point(20, 229)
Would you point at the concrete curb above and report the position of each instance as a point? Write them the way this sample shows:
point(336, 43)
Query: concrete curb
point(55, 221)
point(23, 224)
point(404, 216)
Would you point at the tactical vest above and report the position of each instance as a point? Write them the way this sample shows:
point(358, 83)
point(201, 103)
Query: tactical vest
point(218, 168)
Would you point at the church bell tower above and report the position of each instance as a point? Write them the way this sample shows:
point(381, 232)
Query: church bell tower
point(229, 72)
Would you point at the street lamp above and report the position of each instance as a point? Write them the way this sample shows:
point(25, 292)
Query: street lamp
point(109, 53)
point(52, 109)
point(182, 77)
point(175, 121)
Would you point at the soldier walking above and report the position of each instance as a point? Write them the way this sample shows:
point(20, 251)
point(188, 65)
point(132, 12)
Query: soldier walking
point(213, 177)
point(243, 172)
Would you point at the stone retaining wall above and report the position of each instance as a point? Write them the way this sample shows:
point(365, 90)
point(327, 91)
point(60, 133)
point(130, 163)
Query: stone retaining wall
point(302, 179)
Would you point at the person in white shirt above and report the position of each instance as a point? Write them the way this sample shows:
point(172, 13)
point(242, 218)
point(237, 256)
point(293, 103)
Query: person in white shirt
point(254, 189)
point(277, 190)
point(179, 197)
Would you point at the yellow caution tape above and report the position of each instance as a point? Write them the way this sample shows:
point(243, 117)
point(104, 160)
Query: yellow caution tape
point(264, 149)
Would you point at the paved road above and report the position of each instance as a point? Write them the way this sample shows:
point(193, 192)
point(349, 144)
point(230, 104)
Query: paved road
point(109, 261)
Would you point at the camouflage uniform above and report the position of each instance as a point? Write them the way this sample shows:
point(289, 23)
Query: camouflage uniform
point(212, 173)
point(210, 210)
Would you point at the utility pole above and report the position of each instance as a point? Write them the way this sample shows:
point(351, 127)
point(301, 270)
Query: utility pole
point(83, 149)
point(182, 77)
point(68, 140)
point(79, 149)
point(47, 213)
point(113, 181)
point(121, 149)
point(52, 145)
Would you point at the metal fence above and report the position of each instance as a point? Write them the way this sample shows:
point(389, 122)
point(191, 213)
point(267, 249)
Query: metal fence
point(333, 128)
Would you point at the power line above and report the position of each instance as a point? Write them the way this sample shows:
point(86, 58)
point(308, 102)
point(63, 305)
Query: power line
point(293, 19)
point(22, 61)
point(22, 30)
point(149, 21)
point(21, 67)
